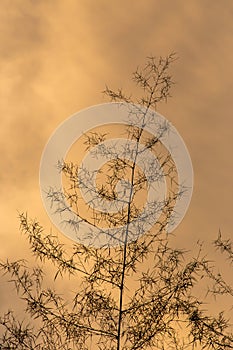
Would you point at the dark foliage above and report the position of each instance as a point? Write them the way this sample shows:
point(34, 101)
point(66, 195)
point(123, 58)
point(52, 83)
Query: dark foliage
point(136, 295)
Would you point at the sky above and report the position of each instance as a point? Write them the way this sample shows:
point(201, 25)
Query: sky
point(56, 57)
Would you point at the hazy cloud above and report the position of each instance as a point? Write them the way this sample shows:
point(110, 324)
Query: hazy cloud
point(57, 56)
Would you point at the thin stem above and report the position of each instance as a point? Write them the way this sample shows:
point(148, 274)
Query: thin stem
point(126, 235)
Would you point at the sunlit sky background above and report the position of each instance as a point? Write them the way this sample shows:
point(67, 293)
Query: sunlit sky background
point(57, 56)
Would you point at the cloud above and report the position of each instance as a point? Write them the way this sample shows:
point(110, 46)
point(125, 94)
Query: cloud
point(57, 56)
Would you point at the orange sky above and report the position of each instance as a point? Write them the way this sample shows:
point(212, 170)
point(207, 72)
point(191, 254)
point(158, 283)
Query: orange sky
point(57, 56)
